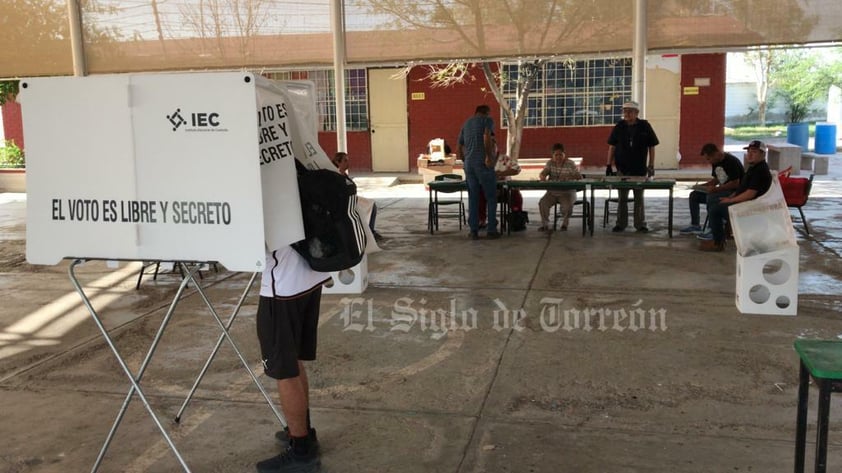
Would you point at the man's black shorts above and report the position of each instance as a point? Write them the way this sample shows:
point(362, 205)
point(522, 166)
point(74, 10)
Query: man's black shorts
point(286, 329)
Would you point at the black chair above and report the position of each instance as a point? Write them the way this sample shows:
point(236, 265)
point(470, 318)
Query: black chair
point(586, 212)
point(434, 212)
point(606, 211)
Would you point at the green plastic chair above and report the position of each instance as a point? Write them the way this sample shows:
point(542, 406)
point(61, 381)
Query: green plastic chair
point(822, 361)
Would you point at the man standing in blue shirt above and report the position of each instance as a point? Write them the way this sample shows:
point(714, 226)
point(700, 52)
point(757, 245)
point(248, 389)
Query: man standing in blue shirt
point(475, 150)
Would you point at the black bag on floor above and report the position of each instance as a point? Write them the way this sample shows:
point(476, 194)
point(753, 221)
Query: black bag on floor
point(518, 220)
point(334, 233)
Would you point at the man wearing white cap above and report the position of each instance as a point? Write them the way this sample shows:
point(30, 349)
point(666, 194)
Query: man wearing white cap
point(631, 149)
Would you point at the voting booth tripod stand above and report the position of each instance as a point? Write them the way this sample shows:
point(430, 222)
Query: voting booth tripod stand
point(135, 379)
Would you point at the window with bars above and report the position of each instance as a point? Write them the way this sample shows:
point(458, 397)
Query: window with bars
point(574, 93)
point(356, 96)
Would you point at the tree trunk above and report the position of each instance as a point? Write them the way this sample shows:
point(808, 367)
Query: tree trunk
point(761, 112)
point(516, 117)
point(514, 136)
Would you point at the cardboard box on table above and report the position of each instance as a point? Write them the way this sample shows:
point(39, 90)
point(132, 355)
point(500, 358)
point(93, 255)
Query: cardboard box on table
point(427, 162)
point(767, 254)
point(429, 168)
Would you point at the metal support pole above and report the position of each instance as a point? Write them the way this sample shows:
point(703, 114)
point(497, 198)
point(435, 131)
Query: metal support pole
point(133, 379)
point(337, 17)
point(639, 55)
point(225, 335)
point(77, 45)
point(801, 417)
point(822, 424)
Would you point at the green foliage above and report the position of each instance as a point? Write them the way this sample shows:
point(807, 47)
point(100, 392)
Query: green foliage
point(8, 90)
point(11, 156)
point(802, 79)
point(766, 133)
point(797, 111)
point(799, 77)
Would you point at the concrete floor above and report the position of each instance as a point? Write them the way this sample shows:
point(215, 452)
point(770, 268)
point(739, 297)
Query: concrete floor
point(397, 387)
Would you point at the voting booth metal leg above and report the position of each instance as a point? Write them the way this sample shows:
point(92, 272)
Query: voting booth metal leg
point(225, 336)
point(134, 379)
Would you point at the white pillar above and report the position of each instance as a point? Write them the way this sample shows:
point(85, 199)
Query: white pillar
point(639, 56)
point(77, 46)
point(337, 16)
point(834, 105)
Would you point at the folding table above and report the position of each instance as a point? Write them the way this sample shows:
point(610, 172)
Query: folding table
point(633, 183)
point(580, 185)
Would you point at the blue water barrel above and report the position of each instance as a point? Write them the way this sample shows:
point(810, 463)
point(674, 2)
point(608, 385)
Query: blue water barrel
point(825, 138)
point(798, 134)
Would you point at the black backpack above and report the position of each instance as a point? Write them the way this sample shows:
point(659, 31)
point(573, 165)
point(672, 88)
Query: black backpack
point(518, 220)
point(334, 236)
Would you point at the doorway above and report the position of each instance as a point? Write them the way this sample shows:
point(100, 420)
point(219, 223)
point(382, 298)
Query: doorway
point(663, 106)
point(389, 124)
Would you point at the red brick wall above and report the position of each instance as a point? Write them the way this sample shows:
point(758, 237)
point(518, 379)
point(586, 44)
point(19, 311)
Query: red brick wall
point(12, 123)
point(359, 148)
point(587, 142)
point(703, 115)
point(443, 110)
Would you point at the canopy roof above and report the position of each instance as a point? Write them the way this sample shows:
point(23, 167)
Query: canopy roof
point(158, 35)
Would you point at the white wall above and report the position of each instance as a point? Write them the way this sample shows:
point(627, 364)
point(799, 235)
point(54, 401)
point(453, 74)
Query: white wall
point(741, 96)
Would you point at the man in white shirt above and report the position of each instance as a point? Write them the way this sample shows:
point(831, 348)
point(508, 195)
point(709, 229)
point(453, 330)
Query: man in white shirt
point(287, 323)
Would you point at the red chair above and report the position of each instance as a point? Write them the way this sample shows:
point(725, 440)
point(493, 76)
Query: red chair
point(796, 191)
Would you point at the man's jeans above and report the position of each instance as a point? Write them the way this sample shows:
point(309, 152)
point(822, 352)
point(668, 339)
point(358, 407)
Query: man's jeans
point(480, 178)
point(710, 199)
point(718, 213)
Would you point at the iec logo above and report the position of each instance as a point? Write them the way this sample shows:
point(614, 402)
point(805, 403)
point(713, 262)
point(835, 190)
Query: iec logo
point(176, 119)
point(200, 121)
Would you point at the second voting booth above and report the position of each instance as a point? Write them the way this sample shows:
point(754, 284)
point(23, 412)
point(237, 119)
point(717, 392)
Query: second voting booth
point(767, 254)
point(196, 167)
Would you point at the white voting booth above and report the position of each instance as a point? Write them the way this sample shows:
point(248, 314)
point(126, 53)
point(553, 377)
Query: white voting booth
point(767, 254)
point(190, 168)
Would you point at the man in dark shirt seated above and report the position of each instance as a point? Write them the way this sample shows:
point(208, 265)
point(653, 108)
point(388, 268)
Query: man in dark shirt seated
point(754, 183)
point(726, 171)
